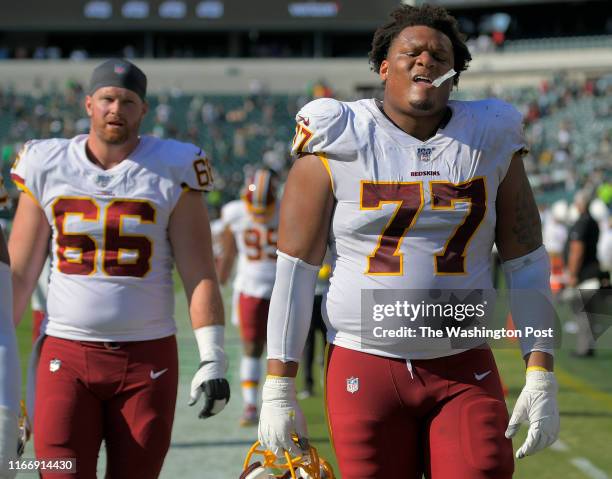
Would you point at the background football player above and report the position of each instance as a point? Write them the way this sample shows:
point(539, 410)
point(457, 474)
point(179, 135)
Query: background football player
point(411, 192)
point(251, 225)
point(119, 209)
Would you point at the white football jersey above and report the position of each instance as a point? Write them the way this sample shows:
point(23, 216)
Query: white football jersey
point(410, 214)
point(111, 260)
point(256, 245)
point(554, 235)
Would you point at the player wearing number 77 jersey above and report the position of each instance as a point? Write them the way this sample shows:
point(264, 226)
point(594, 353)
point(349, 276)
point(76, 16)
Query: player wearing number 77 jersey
point(251, 225)
point(119, 209)
point(411, 193)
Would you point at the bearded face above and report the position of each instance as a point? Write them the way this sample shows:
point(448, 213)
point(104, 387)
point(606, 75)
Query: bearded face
point(116, 114)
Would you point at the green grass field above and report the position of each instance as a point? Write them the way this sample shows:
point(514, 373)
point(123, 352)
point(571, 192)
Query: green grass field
point(218, 446)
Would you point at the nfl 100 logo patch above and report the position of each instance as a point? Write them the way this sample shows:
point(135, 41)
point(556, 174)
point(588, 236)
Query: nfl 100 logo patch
point(424, 153)
point(352, 385)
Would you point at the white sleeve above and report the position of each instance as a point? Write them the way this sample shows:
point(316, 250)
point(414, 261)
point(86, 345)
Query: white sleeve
point(9, 376)
point(231, 212)
point(290, 307)
point(528, 282)
point(9, 434)
point(9, 360)
point(197, 174)
point(505, 131)
point(26, 170)
point(190, 168)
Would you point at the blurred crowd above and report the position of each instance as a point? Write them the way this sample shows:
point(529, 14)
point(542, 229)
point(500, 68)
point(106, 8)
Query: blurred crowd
point(568, 125)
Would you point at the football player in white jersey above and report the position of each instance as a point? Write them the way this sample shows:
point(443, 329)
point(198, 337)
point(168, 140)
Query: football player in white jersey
point(119, 209)
point(411, 193)
point(251, 225)
point(9, 362)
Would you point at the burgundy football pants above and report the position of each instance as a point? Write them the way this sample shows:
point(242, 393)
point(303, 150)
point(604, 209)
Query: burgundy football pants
point(445, 420)
point(253, 317)
point(122, 393)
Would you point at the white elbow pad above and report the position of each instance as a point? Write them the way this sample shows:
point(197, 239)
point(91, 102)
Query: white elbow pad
point(10, 379)
point(528, 283)
point(290, 307)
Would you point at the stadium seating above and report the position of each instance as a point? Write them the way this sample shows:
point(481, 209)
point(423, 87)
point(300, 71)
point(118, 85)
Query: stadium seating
point(237, 130)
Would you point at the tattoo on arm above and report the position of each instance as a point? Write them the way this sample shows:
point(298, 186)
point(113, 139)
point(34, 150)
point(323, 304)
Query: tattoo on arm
point(527, 228)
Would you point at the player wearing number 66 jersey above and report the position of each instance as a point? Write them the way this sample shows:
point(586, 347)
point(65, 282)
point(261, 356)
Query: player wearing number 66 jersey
point(119, 210)
point(251, 225)
point(410, 193)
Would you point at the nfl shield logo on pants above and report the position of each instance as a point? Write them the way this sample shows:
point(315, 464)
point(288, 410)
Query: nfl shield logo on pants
point(352, 385)
point(54, 365)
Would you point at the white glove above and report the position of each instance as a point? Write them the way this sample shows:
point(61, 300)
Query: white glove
point(209, 380)
point(281, 418)
point(8, 442)
point(536, 404)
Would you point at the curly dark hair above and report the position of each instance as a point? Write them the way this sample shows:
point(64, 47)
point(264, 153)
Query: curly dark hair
point(427, 15)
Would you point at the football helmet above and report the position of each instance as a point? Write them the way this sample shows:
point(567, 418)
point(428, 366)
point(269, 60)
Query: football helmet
point(308, 466)
point(260, 191)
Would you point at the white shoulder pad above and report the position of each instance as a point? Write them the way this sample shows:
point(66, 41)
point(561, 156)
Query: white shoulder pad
point(232, 211)
point(194, 171)
point(28, 170)
point(321, 127)
point(506, 124)
point(10, 378)
point(216, 227)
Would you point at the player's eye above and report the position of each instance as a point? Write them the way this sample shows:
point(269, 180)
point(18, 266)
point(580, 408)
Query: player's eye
point(441, 56)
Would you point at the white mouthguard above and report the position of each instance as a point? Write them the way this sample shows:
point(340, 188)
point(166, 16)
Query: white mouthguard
point(438, 81)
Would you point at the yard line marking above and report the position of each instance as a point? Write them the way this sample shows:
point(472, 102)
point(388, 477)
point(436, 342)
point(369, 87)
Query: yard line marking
point(588, 468)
